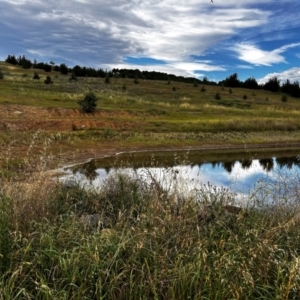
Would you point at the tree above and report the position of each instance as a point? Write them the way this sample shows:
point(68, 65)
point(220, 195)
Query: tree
point(48, 80)
point(273, 84)
point(89, 103)
point(232, 81)
point(36, 75)
point(47, 68)
point(11, 59)
point(107, 79)
point(1, 74)
point(64, 69)
point(251, 83)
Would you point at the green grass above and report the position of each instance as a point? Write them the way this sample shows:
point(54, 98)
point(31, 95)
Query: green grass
point(154, 244)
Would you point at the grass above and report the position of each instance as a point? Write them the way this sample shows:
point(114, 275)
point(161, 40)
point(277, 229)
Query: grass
point(161, 239)
point(148, 114)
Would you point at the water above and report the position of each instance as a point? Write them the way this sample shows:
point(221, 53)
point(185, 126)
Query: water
point(239, 171)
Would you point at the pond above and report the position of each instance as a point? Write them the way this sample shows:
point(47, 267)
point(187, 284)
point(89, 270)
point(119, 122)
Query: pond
point(239, 171)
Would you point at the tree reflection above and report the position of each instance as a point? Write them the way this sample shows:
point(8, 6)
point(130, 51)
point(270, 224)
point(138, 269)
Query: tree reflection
point(246, 163)
point(287, 162)
point(228, 165)
point(267, 164)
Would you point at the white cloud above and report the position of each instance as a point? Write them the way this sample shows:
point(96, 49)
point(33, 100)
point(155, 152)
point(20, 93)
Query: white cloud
point(106, 32)
point(254, 55)
point(292, 74)
point(100, 33)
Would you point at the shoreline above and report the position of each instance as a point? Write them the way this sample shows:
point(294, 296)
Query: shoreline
point(91, 154)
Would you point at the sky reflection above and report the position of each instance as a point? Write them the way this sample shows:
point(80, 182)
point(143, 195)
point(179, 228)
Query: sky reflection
point(241, 177)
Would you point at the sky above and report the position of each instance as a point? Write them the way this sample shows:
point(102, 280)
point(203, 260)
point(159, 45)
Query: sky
point(191, 38)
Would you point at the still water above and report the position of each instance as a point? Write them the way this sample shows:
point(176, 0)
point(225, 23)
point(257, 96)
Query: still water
point(240, 171)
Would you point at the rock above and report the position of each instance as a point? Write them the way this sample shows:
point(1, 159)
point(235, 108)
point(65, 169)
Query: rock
point(18, 113)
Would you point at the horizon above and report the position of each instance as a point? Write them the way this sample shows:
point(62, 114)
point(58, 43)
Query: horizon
point(200, 39)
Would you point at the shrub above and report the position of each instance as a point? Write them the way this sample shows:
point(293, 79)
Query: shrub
point(73, 77)
point(107, 79)
point(124, 87)
point(174, 88)
point(230, 91)
point(88, 104)
point(48, 80)
point(1, 74)
point(284, 98)
point(245, 97)
point(203, 89)
point(36, 76)
point(217, 96)
point(136, 80)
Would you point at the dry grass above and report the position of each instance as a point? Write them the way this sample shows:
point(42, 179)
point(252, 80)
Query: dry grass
point(161, 240)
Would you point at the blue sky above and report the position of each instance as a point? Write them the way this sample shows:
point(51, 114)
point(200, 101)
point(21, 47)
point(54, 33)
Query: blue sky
point(259, 38)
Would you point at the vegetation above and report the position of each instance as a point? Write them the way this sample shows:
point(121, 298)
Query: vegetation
point(153, 241)
point(217, 96)
point(89, 103)
point(36, 75)
point(48, 80)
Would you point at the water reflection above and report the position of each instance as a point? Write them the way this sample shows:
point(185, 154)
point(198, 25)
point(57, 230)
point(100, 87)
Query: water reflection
point(240, 171)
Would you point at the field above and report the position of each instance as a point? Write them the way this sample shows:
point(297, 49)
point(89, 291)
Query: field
point(149, 242)
point(144, 116)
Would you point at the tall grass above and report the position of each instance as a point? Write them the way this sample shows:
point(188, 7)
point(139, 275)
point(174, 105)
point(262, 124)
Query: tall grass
point(161, 240)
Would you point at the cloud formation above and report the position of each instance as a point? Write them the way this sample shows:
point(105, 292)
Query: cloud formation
point(99, 33)
point(292, 74)
point(256, 56)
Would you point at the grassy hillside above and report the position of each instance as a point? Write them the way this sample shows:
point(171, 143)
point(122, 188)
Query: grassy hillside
point(144, 115)
point(153, 241)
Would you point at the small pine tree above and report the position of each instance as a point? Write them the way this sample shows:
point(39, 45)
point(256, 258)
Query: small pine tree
point(217, 96)
point(284, 98)
point(36, 76)
point(136, 80)
point(107, 79)
point(124, 87)
point(203, 89)
point(1, 74)
point(174, 88)
point(230, 91)
point(245, 97)
point(89, 103)
point(48, 80)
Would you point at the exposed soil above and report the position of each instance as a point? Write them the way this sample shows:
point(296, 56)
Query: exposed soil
point(29, 118)
point(23, 118)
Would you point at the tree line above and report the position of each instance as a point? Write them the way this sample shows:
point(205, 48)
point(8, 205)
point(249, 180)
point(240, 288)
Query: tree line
point(232, 81)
